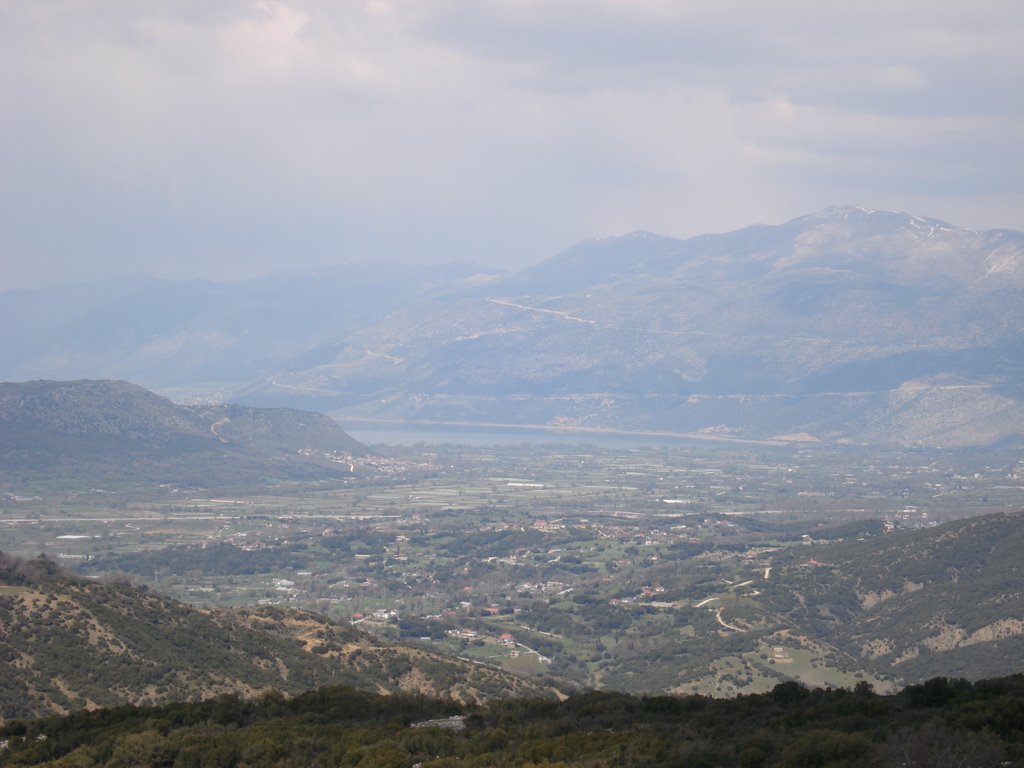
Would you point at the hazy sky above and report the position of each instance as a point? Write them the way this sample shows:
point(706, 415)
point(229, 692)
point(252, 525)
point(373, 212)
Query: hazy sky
point(231, 138)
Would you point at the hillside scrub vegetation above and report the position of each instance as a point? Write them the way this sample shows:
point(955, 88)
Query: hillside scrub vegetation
point(940, 723)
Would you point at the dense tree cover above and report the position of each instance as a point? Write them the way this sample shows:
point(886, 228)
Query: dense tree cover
point(218, 559)
point(940, 723)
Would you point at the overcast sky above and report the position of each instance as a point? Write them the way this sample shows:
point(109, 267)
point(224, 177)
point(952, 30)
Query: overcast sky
point(225, 139)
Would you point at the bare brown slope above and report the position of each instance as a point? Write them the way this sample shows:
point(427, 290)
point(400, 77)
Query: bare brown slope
point(68, 643)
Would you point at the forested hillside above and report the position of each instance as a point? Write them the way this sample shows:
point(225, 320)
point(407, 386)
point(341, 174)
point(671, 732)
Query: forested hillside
point(916, 604)
point(940, 724)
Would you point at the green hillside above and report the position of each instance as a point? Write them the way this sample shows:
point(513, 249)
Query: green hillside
point(916, 604)
point(940, 724)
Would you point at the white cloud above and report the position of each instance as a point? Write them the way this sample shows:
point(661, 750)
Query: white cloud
point(235, 137)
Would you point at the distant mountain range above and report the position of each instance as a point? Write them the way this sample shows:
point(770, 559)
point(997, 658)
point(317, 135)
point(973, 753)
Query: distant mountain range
point(844, 325)
point(70, 643)
point(94, 428)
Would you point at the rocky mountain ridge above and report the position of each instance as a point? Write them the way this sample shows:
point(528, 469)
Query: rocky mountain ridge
point(846, 325)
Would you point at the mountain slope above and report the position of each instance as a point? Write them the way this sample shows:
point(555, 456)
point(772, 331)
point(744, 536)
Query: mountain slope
point(197, 334)
point(80, 427)
point(941, 724)
point(70, 643)
point(846, 324)
point(916, 604)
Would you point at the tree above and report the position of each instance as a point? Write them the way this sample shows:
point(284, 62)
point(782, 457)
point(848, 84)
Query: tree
point(934, 745)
